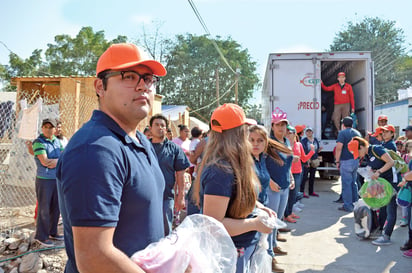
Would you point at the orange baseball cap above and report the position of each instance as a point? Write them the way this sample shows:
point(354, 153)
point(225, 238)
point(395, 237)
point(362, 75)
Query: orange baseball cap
point(229, 116)
point(125, 55)
point(341, 74)
point(382, 117)
point(353, 147)
point(300, 128)
point(378, 131)
point(389, 127)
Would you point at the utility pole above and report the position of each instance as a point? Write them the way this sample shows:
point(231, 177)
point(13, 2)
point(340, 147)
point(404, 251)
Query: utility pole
point(237, 84)
point(217, 86)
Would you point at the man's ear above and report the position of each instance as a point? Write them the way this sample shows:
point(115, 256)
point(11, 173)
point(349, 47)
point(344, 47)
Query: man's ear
point(98, 86)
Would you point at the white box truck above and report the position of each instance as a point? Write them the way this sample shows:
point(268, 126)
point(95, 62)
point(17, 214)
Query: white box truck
point(293, 83)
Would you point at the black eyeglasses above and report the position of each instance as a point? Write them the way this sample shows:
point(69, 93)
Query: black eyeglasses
point(131, 79)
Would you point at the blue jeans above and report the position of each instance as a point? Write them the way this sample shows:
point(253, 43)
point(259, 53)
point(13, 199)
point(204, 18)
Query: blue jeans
point(277, 202)
point(48, 210)
point(168, 206)
point(391, 209)
point(244, 258)
point(292, 194)
point(348, 174)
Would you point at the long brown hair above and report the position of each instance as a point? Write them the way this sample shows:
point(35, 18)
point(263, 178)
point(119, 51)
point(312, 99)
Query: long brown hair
point(232, 146)
point(272, 146)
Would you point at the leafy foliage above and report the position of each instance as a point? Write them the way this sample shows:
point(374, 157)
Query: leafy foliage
point(386, 42)
point(79, 55)
point(192, 64)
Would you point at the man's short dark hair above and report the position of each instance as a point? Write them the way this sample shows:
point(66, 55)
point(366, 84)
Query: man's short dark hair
point(347, 121)
point(196, 132)
point(159, 116)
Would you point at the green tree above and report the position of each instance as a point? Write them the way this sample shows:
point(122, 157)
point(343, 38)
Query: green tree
point(386, 42)
point(69, 56)
point(78, 55)
point(254, 111)
point(192, 64)
point(32, 66)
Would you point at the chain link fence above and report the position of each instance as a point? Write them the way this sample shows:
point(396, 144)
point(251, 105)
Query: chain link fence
point(17, 166)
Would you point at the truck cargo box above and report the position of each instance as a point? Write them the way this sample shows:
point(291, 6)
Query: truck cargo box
point(293, 83)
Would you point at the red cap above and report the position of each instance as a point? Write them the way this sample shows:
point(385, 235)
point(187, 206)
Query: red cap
point(378, 131)
point(229, 116)
point(341, 74)
point(382, 117)
point(300, 128)
point(353, 147)
point(389, 127)
point(119, 56)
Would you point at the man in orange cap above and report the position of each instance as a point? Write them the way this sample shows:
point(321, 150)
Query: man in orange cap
point(376, 138)
point(109, 181)
point(343, 99)
point(382, 120)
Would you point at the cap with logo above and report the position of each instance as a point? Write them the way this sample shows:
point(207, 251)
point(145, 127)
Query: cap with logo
point(341, 74)
point(229, 116)
point(125, 55)
point(51, 121)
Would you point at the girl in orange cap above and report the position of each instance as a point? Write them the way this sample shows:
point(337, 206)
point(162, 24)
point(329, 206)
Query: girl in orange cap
point(226, 187)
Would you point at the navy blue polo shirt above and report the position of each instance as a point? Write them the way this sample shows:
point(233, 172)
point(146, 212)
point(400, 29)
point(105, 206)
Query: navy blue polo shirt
point(390, 145)
point(171, 160)
point(376, 163)
point(280, 174)
point(107, 179)
point(216, 181)
point(264, 177)
point(344, 137)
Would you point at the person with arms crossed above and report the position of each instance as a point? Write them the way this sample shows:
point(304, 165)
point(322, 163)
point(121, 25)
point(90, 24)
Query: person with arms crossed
point(173, 163)
point(109, 181)
point(47, 150)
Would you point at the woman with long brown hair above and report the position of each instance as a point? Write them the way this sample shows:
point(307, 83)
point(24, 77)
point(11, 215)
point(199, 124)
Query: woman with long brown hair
point(263, 148)
point(226, 186)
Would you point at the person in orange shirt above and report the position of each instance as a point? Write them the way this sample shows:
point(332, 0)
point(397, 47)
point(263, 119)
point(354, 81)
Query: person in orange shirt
point(343, 99)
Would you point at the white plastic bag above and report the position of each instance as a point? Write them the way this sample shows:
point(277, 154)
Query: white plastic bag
point(366, 172)
point(200, 244)
point(261, 261)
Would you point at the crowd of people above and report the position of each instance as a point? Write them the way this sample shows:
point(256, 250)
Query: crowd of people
point(118, 189)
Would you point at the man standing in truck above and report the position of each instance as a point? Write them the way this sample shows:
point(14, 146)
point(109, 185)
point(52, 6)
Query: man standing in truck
point(343, 99)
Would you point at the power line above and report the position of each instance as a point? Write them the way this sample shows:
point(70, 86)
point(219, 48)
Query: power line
point(199, 17)
point(213, 102)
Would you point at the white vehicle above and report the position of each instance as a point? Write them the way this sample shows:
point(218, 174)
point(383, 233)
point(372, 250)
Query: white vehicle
point(293, 83)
